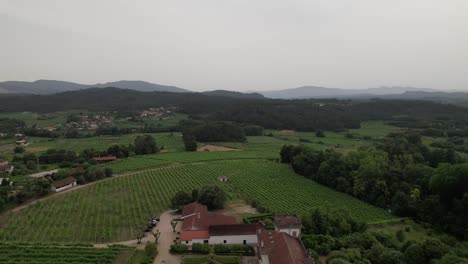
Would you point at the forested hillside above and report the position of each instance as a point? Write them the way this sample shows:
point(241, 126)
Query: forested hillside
point(303, 115)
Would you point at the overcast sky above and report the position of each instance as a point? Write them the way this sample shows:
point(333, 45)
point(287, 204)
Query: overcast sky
point(238, 44)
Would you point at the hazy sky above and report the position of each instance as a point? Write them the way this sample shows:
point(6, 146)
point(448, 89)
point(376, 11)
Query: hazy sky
point(238, 44)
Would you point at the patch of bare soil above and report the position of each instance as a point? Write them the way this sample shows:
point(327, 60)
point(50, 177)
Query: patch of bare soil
point(7, 147)
point(214, 148)
point(239, 210)
point(344, 151)
point(36, 149)
point(288, 132)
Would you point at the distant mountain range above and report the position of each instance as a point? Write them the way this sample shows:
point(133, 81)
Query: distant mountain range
point(44, 87)
point(322, 92)
point(52, 86)
point(234, 94)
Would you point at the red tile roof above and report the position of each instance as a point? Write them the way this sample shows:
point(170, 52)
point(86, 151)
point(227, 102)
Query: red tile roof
point(197, 221)
point(197, 217)
point(232, 230)
point(287, 221)
point(282, 248)
point(63, 182)
point(194, 234)
point(108, 158)
point(4, 167)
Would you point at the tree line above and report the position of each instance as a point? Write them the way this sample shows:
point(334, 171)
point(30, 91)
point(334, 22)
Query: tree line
point(303, 115)
point(401, 174)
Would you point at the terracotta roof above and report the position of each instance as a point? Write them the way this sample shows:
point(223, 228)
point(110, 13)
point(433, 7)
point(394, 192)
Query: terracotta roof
point(287, 221)
point(4, 167)
point(108, 158)
point(197, 221)
point(63, 182)
point(282, 248)
point(195, 234)
point(197, 217)
point(232, 230)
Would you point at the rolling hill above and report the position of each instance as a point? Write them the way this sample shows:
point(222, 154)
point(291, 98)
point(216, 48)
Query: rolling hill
point(53, 86)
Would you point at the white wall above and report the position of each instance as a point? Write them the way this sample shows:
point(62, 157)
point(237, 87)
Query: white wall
point(250, 239)
point(64, 187)
point(194, 241)
point(264, 259)
point(290, 231)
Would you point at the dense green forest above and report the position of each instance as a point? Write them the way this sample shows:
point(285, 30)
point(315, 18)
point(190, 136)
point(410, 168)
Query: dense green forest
point(401, 174)
point(302, 115)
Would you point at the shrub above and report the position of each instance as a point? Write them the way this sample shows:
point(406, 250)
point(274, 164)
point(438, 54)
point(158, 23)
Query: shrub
point(201, 248)
point(221, 249)
point(178, 248)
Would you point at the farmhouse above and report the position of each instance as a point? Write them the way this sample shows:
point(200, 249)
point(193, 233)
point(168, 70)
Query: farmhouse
point(63, 184)
point(233, 234)
point(288, 224)
point(105, 159)
point(278, 248)
point(5, 167)
point(21, 143)
point(201, 226)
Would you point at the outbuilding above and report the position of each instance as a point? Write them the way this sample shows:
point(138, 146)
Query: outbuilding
point(63, 184)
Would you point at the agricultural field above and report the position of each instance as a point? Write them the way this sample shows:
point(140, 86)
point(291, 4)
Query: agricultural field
point(118, 208)
point(365, 136)
point(150, 161)
point(167, 122)
point(41, 120)
point(36, 254)
point(170, 142)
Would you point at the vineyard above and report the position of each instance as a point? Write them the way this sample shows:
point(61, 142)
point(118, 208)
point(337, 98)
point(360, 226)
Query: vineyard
point(117, 209)
point(160, 159)
point(32, 254)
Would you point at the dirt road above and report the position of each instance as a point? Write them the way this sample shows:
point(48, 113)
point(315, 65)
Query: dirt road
point(166, 239)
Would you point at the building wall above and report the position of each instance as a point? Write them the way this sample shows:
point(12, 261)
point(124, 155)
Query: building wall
point(290, 231)
point(239, 239)
point(64, 187)
point(264, 259)
point(193, 241)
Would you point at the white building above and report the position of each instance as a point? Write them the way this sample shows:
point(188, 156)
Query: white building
point(233, 234)
point(63, 184)
point(288, 224)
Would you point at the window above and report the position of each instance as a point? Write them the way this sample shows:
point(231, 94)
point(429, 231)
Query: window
point(205, 241)
point(244, 242)
point(186, 242)
point(294, 233)
point(224, 241)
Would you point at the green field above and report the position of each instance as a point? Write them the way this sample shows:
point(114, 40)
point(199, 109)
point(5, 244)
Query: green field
point(50, 119)
point(150, 161)
point(116, 209)
point(37, 254)
point(170, 141)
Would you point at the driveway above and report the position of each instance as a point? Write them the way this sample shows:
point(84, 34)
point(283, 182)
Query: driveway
point(166, 238)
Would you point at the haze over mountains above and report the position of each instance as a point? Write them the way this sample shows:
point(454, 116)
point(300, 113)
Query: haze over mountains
point(53, 86)
point(44, 87)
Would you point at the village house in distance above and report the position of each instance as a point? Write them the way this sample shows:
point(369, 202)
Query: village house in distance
point(279, 246)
